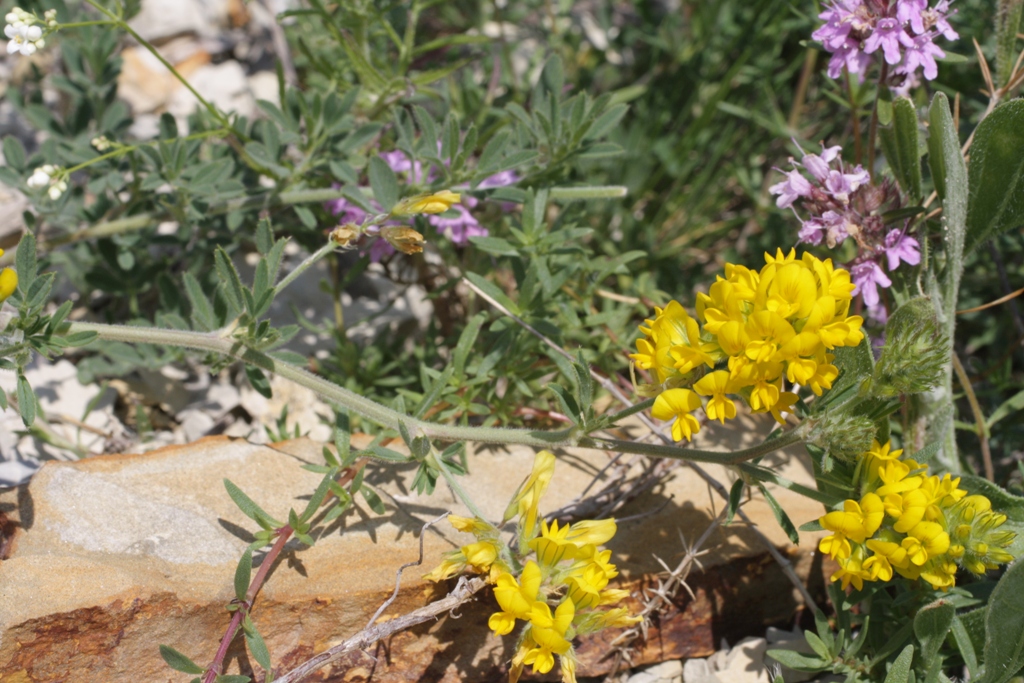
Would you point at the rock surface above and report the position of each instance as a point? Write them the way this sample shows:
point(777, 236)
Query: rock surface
point(114, 555)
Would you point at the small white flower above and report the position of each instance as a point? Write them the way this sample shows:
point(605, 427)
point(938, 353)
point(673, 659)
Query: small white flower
point(25, 37)
point(44, 177)
point(101, 143)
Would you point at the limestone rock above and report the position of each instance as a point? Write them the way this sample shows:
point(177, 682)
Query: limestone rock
point(113, 555)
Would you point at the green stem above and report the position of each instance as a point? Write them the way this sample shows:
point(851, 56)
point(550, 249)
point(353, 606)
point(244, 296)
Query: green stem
point(125, 149)
point(791, 437)
point(764, 474)
point(83, 24)
point(218, 342)
point(170, 67)
point(310, 260)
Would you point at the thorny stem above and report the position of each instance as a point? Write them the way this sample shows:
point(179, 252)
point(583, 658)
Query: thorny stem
point(386, 417)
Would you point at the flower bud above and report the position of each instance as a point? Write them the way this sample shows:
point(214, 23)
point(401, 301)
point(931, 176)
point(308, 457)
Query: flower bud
point(915, 351)
point(405, 240)
point(844, 436)
point(438, 202)
point(345, 235)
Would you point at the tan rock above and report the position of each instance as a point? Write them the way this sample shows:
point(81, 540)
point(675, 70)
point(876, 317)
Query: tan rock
point(118, 554)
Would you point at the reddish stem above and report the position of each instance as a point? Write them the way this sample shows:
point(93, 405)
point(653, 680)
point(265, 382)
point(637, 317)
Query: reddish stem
point(283, 534)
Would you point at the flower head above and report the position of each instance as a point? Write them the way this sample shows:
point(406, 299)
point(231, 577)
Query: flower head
point(438, 202)
point(24, 36)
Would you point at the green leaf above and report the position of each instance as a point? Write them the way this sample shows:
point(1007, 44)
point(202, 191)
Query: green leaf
point(242, 574)
point(384, 183)
point(1004, 628)
point(26, 401)
point(25, 262)
point(899, 672)
point(178, 661)
point(735, 495)
point(931, 624)
point(202, 310)
point(1008, 407)
point(797, 661)
point(14, 153)
point(257, 646)
point(901, 147)
point(996, 201)
point(466, 341)
point(492, 290)
point(780, 515)
point(229, 278)
point(1007, 26)
point(965, 645)
point(259, 381)
point(855, 364)
point(373, 500)
point(249, 508)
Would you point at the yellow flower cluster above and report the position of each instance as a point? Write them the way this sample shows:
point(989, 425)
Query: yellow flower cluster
point(918, 526)
point(8, 281)
point(553, 566)
point(761, 329)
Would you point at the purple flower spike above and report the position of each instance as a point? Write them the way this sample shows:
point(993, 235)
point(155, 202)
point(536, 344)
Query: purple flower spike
point(901, 247)
point(868, 276)
point(794, 186)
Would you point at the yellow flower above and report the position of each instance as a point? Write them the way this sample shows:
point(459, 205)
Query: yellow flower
point(908, 509)
point(716, 385)
point(678, 404)
point(8, 281)
point(516, 598)
point(856, 521)
point(585, 590)
point(552, 546)
point(438, 202)
point(470, 525)
point(568, 664)
point(592, 532)
point(449, 567)
point(549, 633)
point(925, 541)
point(784, 405)
point(480, 555)
point(527, 498)
point(895, 478)
point(616, 618)
point(851, 571)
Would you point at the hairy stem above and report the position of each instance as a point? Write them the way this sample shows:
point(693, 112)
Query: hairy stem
point(386, 417)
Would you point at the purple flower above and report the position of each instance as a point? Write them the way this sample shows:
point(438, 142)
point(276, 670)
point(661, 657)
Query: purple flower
point(840, 185)
point(346, 211)
point(889, 36)
point(836, 30)
point(399, 163)
point(868, 276)
point(830, 226)
point(911, 12)
point(794, 186)
point(901, 247)
point(937, 18)
point(379, 249)
point(812, 231)
point(922, 53)
point(818, 165)
point(850, 56)
point(460, 228)
point(502, 179)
